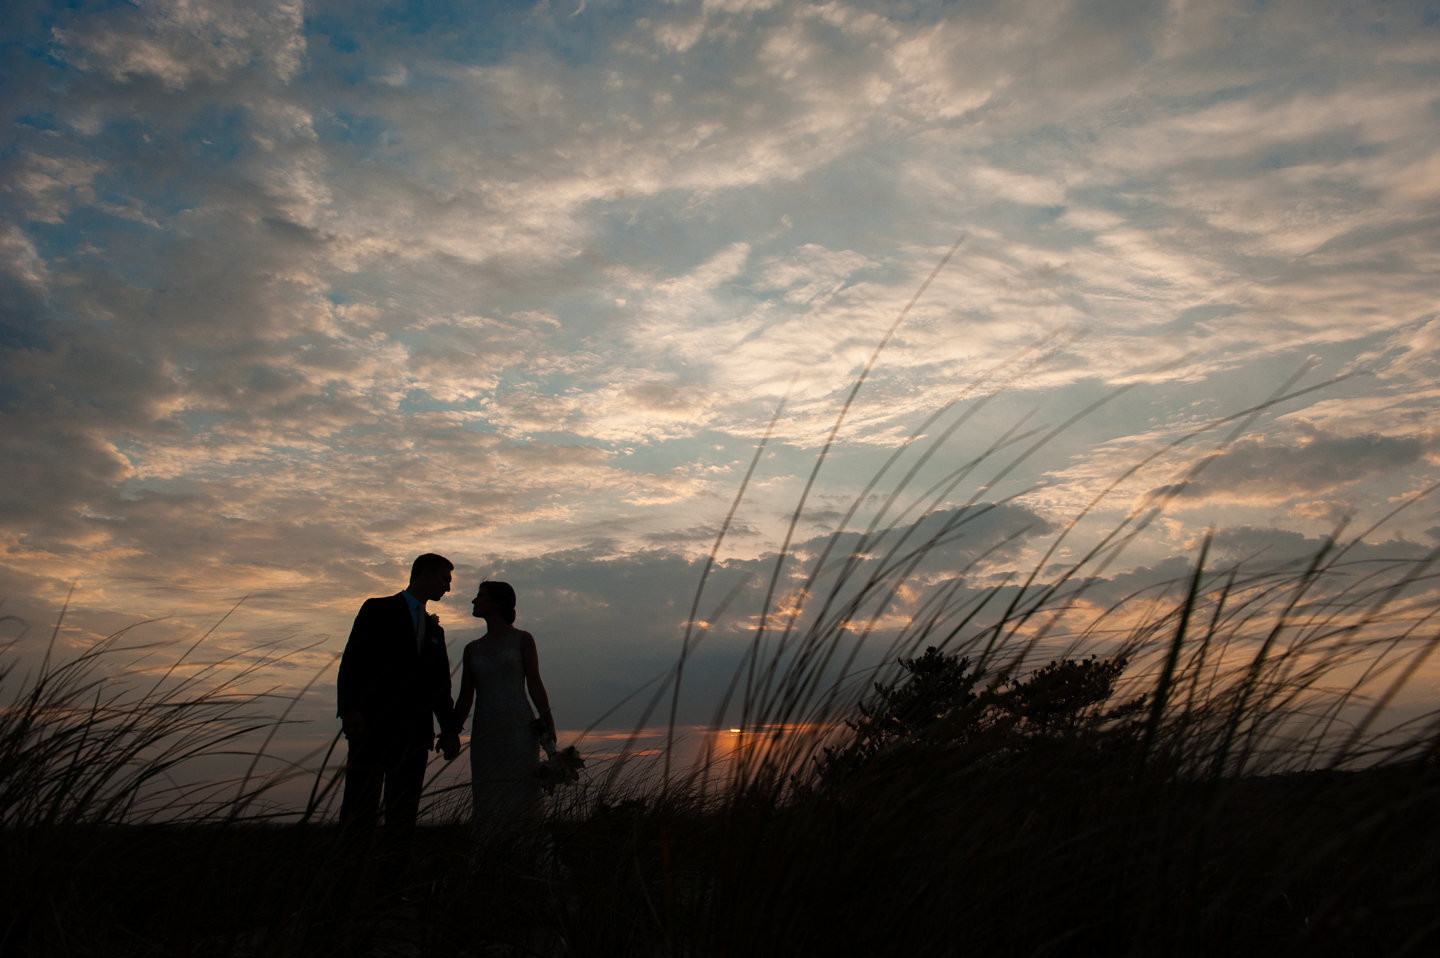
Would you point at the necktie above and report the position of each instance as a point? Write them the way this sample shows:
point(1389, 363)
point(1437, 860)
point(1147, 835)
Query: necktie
point(420, 629)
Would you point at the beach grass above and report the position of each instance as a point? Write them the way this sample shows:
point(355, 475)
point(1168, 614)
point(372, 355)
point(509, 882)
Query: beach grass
point(1213, 763)
point(1206, 767)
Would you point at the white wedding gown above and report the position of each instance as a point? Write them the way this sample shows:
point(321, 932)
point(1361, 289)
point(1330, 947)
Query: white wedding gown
point(504, 747)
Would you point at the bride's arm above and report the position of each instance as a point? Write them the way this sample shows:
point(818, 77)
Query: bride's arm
point(536, 687)
point(467, 693)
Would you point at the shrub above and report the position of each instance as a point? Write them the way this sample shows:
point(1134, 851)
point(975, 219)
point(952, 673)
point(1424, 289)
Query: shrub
point(935, 711)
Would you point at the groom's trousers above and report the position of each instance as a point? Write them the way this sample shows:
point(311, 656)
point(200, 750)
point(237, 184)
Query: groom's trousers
point(385, 770)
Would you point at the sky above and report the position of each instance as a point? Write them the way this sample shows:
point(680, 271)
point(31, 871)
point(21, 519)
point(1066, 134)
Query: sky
point(293, 292)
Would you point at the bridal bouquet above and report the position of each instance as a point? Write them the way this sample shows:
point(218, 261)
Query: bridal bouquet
point(561, 766)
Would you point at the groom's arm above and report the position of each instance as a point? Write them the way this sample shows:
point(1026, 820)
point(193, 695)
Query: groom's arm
point(358, 665)
point(443, 704)
point(450, 729)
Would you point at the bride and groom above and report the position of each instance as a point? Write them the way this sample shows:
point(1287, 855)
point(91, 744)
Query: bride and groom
point(395, 675)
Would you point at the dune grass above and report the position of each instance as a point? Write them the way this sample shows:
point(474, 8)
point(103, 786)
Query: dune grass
point(1205, 767)
point(1210, 765)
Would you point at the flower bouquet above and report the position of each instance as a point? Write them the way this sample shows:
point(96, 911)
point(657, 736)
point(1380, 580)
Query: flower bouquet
point(562, 765)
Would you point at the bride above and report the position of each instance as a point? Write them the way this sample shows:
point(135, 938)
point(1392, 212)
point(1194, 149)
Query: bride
point(498, 669)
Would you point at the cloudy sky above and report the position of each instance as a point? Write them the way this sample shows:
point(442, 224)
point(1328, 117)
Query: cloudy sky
point(295, 291)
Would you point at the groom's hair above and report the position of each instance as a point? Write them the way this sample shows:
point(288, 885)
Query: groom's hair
point(427, 562)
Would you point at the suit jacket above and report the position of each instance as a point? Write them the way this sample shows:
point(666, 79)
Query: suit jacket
point(396, 686)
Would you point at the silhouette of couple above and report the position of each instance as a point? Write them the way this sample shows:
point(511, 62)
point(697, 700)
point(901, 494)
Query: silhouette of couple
point(395, 674)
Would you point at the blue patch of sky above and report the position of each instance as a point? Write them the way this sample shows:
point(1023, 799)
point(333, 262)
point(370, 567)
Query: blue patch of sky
point(218, 133)
point(1034, 150)
point(212, 134)
point(1021, 410)
point(1387, 19)
point(579, 40)
point(58, 304)
point(926, 12)
point(138, 489)
point(349, 69)
point(41, 121)
point(1190, 318)
point(92, 226)
point(118, 185)
point(160, 173)
point(699, 449)
point(476, 425)
point(22, 23)
point(20, 330)
point(711, 64)
point(1127, 198)
point(429, 16)
point(197, 421)
point(1329, 147)
point(454, 30)
point(419, 401)
point(350, 127)
point(1191, 102)
point(333, 28)
point(841, 206)
point(1036, 223)
point(1367, 235)
point(652, 229)
point(563, 440)
point(1225, 392)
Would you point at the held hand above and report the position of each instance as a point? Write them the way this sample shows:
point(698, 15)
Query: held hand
point(449, 744)
point(544, 727)
point(353, 724)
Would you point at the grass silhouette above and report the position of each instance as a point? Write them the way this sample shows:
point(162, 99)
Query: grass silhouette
point(1210, 764)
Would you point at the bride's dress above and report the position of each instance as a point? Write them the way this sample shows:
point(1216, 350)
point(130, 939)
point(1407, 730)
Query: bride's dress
point(504, 747)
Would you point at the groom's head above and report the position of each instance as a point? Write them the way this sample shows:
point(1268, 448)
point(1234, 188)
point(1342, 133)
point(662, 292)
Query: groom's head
point(430, 577)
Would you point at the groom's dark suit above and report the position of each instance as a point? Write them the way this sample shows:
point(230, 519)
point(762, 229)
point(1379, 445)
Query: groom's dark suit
point(397, 684)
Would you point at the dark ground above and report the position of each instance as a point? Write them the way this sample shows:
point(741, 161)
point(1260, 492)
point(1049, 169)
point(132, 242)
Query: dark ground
point(1060, 856)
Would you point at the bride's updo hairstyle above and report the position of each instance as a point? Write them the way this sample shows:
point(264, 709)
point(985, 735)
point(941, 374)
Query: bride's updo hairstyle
point(503, 595)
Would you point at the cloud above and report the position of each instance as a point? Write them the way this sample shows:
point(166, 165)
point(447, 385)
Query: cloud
point(1323, 510)
point(700, 534)
point(291, 294)
point(179, 42)
point(812, 274)
point(1271, 548)
point(22, 265)
point(1258, 470)
point(50, 185)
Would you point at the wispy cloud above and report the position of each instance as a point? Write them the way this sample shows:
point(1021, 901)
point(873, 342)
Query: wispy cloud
point(293, 292)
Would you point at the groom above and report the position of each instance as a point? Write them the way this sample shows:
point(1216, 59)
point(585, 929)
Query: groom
point(394, 675)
